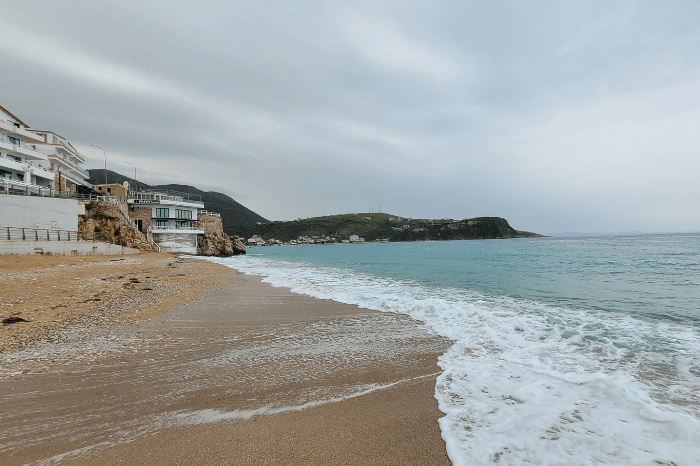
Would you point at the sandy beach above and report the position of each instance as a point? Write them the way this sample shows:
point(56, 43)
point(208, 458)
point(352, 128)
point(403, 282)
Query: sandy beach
point(208, 366)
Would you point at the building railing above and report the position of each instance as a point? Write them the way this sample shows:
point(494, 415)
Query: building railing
point(43, 234)
point(206, 212)
point(152, 196)
point(173, 228)
point(21, 145)
point(19, 188)
point(10, 186)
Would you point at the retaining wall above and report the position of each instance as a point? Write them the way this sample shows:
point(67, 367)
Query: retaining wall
point(39, 212)
point(81, 248)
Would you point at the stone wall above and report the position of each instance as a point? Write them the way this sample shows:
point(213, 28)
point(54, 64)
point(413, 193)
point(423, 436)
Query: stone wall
point(141, 213)
point(107, 222)
point(214, 242)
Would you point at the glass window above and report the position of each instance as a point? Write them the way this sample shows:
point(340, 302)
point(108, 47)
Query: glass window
point(162, 213)
point(161, 223)
point(13, 140)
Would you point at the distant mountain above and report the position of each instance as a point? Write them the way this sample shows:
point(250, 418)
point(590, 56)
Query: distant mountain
point(374, 226)
point(232, 213)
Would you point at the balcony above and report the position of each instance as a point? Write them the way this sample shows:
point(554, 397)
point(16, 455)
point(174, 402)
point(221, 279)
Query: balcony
point(21, 132)
point(22, 187)
point(27, 150)
point(67, 164)
point(36, 170)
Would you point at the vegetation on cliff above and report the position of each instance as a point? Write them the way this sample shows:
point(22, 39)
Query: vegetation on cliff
point(377, 226)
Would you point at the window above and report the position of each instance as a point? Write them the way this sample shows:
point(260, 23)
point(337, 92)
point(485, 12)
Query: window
point(162, 213)
point(109, 190)
point(14, 141)
point(161, 223)
point(186, 214)
point(20, 177)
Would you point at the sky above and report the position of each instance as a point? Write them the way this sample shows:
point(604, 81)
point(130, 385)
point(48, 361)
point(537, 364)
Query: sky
point(577, 116)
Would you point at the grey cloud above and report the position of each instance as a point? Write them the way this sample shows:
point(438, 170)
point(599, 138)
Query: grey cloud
point(545, 113)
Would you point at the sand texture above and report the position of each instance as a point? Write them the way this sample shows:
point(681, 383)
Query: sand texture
point(243, 374)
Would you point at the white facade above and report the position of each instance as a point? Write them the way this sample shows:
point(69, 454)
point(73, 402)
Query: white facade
point(173, 218)
point(23, 168)
point(65, 160)
point(37, 162)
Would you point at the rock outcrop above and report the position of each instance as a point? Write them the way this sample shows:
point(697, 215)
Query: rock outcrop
point(106, 222)
point(214, 242)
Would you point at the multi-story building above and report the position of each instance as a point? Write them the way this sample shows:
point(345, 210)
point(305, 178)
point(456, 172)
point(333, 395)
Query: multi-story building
point(23, 168)
point(65, 160)
point(169, 216)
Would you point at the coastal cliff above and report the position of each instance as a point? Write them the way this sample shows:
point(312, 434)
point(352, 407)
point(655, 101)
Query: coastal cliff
point(107, 222)
point(214, 242)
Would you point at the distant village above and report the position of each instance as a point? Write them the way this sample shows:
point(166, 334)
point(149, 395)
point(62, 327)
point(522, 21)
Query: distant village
point(258, 241)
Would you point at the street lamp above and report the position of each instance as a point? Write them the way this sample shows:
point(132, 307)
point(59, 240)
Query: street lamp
point(134, 170)
point(103, 151)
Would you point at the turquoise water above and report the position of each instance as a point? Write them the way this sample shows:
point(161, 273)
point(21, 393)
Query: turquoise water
point(566, 350)
point(650, 276)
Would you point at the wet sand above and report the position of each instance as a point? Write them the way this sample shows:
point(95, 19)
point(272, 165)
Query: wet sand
point(245, 374)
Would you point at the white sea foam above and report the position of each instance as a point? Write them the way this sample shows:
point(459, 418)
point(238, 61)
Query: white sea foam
point(527, 383)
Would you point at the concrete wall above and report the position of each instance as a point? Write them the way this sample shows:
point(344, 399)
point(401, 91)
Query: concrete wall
point(38, 212)
point(81, 248)
point(176, 242)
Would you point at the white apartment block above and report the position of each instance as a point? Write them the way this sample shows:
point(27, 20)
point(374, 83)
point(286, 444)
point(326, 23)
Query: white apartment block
point(38, 162)
point(23, 168)
point(65, 160)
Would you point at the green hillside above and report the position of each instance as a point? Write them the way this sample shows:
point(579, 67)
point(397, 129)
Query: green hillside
point(375, 226)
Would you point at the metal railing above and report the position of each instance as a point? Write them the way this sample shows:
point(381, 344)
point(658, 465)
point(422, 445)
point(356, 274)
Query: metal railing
point(173, 228)
point(154, 196)
point(34, 234)
point(22, 188)
point(10, 186)
point(206, 212)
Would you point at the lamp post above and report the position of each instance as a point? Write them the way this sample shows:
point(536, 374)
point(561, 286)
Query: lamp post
point(134, 169)
point(105, 154)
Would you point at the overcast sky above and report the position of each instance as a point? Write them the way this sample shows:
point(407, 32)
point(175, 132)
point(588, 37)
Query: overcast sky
point(558, 116)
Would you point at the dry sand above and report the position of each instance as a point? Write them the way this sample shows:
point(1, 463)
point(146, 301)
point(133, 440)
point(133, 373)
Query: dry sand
point(243, 374)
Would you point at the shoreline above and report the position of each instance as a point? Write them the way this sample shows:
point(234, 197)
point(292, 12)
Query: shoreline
point(245, 373)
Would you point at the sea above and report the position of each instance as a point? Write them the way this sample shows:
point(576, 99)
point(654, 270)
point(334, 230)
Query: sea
point(578, 350)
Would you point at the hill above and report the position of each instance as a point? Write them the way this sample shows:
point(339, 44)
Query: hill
point(232, 213)
point(375, 226)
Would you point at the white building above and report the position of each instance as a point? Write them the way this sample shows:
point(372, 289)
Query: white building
point(354, 238)
point(23, 169)
point(38, 162)
point(65, 161)
point(172, 218)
